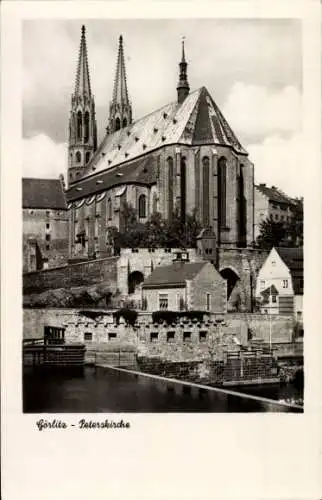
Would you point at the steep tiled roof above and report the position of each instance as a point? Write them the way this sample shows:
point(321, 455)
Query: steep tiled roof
point(142, 171)
point(274, 194)
point(197, 120)
point(43, 193)
point(175, 274)
point(293, 258)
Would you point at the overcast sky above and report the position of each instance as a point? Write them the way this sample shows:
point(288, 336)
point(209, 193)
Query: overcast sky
point(252, 68)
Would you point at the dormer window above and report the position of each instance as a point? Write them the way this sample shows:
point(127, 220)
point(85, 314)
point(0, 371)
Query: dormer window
point(165, 115)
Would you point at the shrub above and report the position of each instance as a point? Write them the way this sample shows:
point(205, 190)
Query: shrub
point(129, 315)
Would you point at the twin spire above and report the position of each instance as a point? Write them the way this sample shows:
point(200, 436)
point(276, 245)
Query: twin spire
point(120, 106)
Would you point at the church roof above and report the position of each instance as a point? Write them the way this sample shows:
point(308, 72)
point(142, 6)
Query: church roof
point(43, 194)
point(142, 171)
point(196, 121)
point(175, 274)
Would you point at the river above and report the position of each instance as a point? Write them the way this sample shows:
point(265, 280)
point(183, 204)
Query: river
point(104, 390)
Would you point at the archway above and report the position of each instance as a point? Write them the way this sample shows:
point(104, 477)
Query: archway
point(231, 277)
point(134, 280)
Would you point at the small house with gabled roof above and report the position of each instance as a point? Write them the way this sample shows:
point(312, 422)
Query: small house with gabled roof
point(279, 287)
point(185, 285)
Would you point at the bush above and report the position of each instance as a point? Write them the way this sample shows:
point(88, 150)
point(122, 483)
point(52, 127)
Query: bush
point(129, 315)
point(172, 316)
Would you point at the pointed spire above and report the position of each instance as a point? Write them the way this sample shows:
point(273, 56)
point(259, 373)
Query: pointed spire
point(82, 85)
point(183, 88)
point(120, 107)
point(120, 94)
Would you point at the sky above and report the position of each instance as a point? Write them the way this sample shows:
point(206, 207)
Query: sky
point(252, 69)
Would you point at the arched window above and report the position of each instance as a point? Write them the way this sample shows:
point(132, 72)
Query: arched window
point(109, 208)
point(222, 168)
point(78, 157)
point(183, 189)
point(117, 124)
point(79, 125)
point(241, 208)
point(86, 127)
point(170, 186)
point(124, 122)
point(88, 155)
point(205, 191)
point(142, 206)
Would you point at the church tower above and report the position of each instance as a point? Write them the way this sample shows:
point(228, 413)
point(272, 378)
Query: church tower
point(120, 107)
point(183, 88)
point(82, 123)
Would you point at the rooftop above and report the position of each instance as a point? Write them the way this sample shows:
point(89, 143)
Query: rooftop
point(196, 121)
point(274, 194)
point(43, 194)
point(175, 274)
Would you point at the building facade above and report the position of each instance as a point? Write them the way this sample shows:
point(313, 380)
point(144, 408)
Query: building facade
point(187, 286)
point(45, 224)
point(181, 158)
point(271, 203)
point(279, 287)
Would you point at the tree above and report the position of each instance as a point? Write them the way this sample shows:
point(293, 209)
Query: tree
point(272, 233)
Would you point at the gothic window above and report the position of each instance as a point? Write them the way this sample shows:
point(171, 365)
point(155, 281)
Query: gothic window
point(183, 189)
point(205, 191)
point(170, 186)
point(109, 209)
point(222, 168)
point(79, 125)
point(88, 155)
point(117, 124)
point(124, 122)
point(86, 127)
point(155, 203)
point(142, 206)
point(78, 157)
point(241, 208)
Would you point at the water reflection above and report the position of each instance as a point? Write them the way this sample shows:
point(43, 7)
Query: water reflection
point(106, 390)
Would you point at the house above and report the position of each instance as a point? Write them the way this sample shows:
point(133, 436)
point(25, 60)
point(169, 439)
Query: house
point(272, 203)
point(185, 285)
point(45, 224)
point(279, 287)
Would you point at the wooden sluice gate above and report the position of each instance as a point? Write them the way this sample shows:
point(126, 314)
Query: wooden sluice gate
point(51, 351)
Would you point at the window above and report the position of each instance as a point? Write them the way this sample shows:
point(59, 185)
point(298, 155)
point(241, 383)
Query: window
point(47, 225)
point(111, 336)
point(86, 126)
point(205, 191)
point(47, 237)
point(117, 124)
point(109, 209)
point(202, 336)
point(78, 157)
point(208, 301)
point(170, 186)
point(170, 336)
point(285, 283)
point(163, 301)
point(88, 336)
point(47, 247)
point(142, 206)
point(222, 191)
point(154, 336)
point(79, 125)
point(186, 336)
point(262, 284)
point(299, 315)
point(274, 299)
point(87, 157)
point(276, 216)
point(124, 122)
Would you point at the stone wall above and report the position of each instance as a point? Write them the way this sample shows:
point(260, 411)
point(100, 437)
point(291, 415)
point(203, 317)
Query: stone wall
point(186, 340)
point(73, 275)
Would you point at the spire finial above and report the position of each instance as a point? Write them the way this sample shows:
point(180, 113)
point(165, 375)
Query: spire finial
point(82, 85)
point(183, 85)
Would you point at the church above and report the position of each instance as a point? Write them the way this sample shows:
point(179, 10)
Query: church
point(181, 158)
